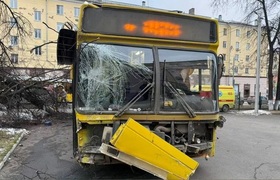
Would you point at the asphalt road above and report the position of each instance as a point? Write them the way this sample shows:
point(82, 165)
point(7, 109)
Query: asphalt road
point(247, 148)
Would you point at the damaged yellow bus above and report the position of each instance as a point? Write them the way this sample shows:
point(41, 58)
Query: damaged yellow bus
point(133, 68)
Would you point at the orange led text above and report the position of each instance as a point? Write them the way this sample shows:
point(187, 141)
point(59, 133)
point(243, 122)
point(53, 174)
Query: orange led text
point(161, 28)
point(130, 27)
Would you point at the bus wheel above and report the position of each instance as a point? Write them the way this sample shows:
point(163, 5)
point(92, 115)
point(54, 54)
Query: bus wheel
point(225, 108)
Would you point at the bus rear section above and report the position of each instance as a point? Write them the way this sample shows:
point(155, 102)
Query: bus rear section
point(226, 98)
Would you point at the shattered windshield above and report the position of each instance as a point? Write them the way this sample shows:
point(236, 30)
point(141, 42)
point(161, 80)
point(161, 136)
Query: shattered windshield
point(111, 76)
point(121, 79)
point(188, 79)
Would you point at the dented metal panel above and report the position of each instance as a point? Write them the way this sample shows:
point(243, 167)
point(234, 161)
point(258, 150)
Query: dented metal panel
point(131, 160)
point(135, 140)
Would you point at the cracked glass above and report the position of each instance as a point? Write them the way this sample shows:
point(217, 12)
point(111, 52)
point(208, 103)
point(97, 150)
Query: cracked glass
point(188, 79)
point(121, 79)
point(112, 76)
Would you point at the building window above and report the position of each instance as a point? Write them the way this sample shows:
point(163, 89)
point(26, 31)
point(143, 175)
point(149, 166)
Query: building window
point(246, 70)
point(37, 15)
point(38, 51)
point(225, 31)
point(225, 56)
point(59, 9)
point(237, 32)
point(37, 33)
point(248, 34)
point(13, 4)
point(237, 46)
point(13, 22)
point(14, 40)
point(59, 26)
point(247, 58)
point(224, 44)
point(248, 45)
point(76, 12)
point(14, 58)
point(236, 57)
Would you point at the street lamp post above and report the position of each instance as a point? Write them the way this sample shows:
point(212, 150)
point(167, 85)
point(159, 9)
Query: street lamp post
point(258, 67)
point(277, 101)
point(233, 69)
point(229, 66)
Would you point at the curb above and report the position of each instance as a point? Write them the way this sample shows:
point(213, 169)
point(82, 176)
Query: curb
point(2, 163)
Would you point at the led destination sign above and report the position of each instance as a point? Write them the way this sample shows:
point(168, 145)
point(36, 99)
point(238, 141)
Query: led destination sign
point(122, 22)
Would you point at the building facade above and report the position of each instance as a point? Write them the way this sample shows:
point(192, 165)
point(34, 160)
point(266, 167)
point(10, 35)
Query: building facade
point(36, 53)
point(238, 44)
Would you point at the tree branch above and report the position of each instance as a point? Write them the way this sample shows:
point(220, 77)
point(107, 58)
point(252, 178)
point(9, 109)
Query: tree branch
point(50, 27)
point(42, 45)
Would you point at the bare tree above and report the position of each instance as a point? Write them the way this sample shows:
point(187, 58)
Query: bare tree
point(269, 11)
point(14, 88)
point(12, 23)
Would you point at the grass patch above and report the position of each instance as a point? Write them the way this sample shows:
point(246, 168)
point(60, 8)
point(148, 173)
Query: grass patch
point(8, 137)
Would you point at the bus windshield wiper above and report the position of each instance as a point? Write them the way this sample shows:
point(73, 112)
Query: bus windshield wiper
point(185, 105)
point(167, 84)
point(134, 99)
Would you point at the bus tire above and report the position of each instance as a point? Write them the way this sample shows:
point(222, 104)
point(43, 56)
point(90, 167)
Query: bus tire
point(225, 108)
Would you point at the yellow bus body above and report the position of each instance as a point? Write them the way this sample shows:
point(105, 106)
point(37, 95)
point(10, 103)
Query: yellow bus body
point(132, 142)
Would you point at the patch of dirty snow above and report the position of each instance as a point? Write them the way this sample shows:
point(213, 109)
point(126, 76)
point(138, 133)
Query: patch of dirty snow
point(252, 112)
point(3, 113)
point(26, 116)
point(19, 115)
point(13, 131)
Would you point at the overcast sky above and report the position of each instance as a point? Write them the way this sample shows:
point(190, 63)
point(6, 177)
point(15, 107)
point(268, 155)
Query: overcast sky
point(202, 7)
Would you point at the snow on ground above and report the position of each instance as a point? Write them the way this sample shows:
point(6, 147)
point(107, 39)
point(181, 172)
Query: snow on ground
point(252, 112)
point(13, 131)
point(31, 114)
point(3, 113)
point(20, 115)
point(9, 143)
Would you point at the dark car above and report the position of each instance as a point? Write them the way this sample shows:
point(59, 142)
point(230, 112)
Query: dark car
point(251, 100)
point(239, 101)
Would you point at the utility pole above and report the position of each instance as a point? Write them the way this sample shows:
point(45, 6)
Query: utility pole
point(233, 70)
point(257, 92)
point(277, 100)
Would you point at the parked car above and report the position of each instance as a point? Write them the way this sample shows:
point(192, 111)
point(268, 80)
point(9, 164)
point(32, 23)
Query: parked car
point(240, 100)
point(251, 100)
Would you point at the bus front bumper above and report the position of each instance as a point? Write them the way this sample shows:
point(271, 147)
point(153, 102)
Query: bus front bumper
point(135, 145)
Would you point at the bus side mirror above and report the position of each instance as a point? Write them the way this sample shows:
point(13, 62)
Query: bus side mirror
point(66, 47)
point(220, 65)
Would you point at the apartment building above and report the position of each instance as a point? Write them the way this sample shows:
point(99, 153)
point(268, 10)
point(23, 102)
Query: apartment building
point(47, 17)
point(238, 44)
